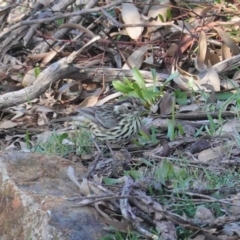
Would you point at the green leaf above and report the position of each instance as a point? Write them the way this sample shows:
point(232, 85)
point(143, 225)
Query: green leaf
point(149, 95)
point(180, 129)
point(153, 135)
point(154, 76)
point(138, 90)
point(169, 14)
point(63, 136)
point(171, 77)
point(181, 97)
point(110, 181)
point(137, 76)
point(127, 82)
point(161, 17)
point(27, 139)
point(170, 133)
point(191, 83)
point(146, 162)
point(164, 171)
point(199, 131)
point(224, 96)
point(144, 135)
point(121, 87)
point(59, 21)
point(37, 70)
point(212, 126)
point(135, 174)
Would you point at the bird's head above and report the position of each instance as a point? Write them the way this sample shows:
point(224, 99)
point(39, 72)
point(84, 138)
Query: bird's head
point(130, 105)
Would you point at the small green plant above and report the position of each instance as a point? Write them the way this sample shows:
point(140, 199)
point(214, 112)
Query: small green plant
point(27, 139)
point(145, 138)
point(181, 97)
point(138, 88)
point(37, 70)
point(211, 130)
point(183, 233)
point(59, 21)
point(62, 144)
point(173, 130)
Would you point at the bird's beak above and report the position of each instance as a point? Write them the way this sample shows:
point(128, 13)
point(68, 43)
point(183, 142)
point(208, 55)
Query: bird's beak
point(143, 110)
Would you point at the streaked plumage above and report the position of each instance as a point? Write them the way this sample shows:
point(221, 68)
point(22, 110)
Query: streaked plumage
point(116, 122)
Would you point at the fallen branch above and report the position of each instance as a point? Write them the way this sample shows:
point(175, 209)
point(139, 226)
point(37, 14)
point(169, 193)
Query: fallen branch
point(61, 69)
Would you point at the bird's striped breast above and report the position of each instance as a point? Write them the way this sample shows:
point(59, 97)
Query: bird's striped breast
point(126, 128)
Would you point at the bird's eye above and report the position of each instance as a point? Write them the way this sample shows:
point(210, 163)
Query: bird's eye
point(129, 107)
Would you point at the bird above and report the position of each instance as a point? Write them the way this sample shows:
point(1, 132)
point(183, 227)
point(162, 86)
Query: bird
point(114, 123)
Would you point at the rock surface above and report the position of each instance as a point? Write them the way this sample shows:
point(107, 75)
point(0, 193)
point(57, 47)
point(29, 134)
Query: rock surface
point(35, 192)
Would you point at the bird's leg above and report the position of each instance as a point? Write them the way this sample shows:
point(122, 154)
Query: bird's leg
point(97, 147)
point(96, 160)
point(110, 148)
point(93, 167)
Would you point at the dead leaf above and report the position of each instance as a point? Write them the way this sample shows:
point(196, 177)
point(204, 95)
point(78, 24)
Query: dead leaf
point(69, 91)
point(136, 58)
point(236, 75)
point(88, 188)
point(172, 50)
point(203, 214)
point(37, 57)
point(231, 126)
point(234, 209)
point(50, 56)
point(202, 49)
point(188, 108)
point(211, 154)
point(6, 10)
point(186, 80)
point(229, 84)
point(199, 146)
point(24, 146)
point(149, 60)
point(130, 15)
point(165, 150)
point(235, 19)
point(166, 103)
point(228, 41)
point(29, 77)
point(158, 8)
point(211, 78)
point(18, 114)
point(44, 109)
point(92, 100)
point(42, 120)
point(7, 124)
point(211, 57)
point(12, 146)
point(185, 26)
point(226, 52)
point(188, 130)
point(231, 228)
point(185, 42)
point(199, 11)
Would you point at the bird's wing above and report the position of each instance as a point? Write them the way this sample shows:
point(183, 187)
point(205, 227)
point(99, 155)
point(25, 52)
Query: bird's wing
point(102, 115)
point(106, 116)
point(88, 113)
